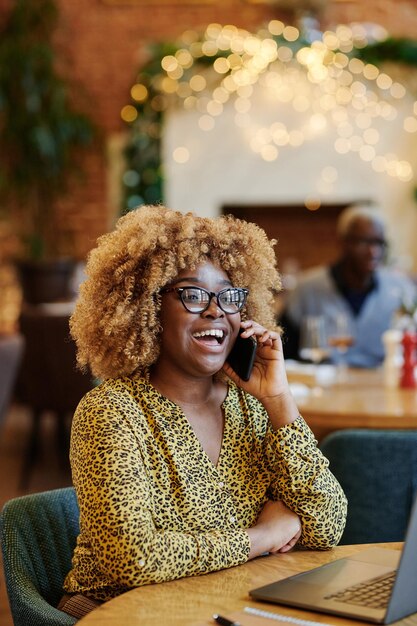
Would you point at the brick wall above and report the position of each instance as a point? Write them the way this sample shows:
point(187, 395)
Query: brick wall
point(102, 45)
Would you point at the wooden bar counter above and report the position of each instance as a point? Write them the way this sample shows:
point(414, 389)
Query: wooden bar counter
point(360, 401)
point(192, 601)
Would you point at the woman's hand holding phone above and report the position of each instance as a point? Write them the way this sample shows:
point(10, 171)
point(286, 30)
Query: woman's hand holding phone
point(268, 372)
point(268, 379)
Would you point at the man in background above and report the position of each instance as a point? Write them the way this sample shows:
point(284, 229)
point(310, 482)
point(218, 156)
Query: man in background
point(356, 286)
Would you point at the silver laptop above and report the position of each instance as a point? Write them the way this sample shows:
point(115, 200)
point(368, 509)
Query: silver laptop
point(376, 585)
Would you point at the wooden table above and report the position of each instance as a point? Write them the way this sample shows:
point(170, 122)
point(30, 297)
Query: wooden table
point(192, 601)
point(361, 401)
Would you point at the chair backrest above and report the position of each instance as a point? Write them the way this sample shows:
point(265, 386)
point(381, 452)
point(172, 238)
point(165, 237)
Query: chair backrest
point(378, 471)
point(48, 378)
point(38, 534)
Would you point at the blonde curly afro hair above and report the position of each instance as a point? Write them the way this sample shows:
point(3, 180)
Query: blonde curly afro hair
point(116, 322)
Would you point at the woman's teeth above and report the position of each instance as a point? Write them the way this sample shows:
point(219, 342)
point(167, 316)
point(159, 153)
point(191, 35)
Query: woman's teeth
point(215, 333)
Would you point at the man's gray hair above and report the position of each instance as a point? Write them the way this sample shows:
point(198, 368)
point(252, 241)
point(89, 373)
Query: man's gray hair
point(357, 211)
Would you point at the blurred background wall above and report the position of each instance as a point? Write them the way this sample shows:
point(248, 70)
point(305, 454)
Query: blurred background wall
point(101, 45)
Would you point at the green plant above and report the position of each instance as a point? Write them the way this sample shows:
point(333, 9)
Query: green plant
point(39, 128)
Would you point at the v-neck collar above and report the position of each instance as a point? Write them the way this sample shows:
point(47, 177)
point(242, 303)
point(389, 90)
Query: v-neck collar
point(185, 424)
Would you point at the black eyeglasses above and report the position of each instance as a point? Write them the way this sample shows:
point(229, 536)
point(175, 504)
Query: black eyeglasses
point(197, 300)
point(365, 242)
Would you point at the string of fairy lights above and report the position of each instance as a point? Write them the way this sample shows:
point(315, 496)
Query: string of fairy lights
point(320, 75)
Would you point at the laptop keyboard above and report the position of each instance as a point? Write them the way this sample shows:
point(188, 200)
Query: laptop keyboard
point(373, 593)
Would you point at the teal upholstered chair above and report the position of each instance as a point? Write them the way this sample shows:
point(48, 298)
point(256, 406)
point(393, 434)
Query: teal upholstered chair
point(378, 472)
point(38, 533)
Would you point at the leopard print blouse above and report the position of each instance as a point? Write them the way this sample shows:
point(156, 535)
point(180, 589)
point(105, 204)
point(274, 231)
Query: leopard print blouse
point(154, 508)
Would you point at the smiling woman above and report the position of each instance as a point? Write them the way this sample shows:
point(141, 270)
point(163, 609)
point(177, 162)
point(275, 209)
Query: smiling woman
point(132, 265)
point(180, 466)
point(200, 342)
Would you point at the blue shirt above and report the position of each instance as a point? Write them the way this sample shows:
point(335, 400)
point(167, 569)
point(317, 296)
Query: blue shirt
point(318, 294)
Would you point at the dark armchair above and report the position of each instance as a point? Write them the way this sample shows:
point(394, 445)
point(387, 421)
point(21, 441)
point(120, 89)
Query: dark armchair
point(49, 379)
point(378, 471)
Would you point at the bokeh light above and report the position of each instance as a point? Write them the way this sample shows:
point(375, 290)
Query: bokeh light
point(318, 77)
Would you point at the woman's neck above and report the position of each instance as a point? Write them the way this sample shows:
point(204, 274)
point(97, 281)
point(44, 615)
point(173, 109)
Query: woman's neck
point(200, 399)
point(182, 389)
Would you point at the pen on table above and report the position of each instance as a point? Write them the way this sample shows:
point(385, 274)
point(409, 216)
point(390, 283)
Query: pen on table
point(223, 621)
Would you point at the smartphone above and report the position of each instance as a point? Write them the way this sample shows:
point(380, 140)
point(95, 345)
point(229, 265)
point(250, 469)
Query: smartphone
point(242, 356)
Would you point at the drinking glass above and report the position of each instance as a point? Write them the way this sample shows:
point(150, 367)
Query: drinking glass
point(313, 340)
point(341, 338)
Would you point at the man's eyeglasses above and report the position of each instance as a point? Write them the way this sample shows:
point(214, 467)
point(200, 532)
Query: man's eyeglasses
point(365, 242)
point(197, 300)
